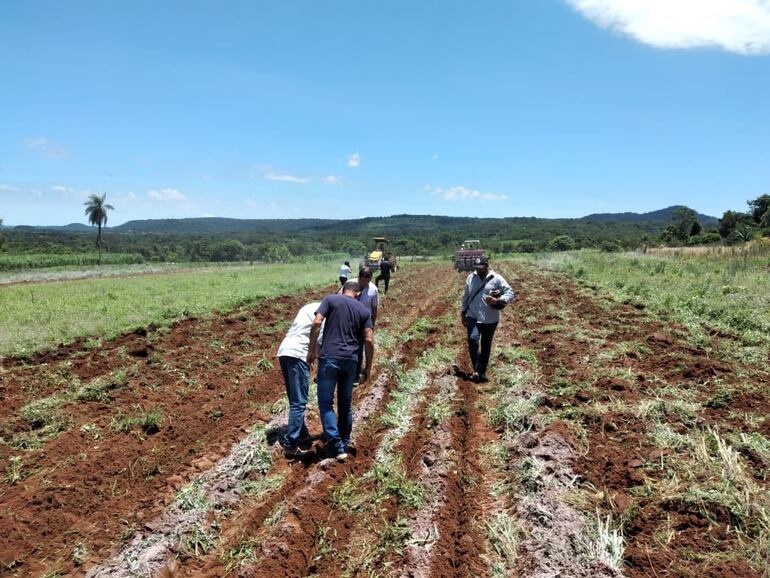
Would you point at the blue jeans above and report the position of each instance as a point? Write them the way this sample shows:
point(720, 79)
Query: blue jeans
point(479, 332)
point(296, 376)
point(340, 374)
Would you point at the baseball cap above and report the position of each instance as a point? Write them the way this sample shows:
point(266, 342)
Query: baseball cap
point(480, 262)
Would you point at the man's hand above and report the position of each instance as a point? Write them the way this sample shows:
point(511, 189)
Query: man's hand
point(364, 377)
point(315, 330)
point(491, 300)
point(462, 318)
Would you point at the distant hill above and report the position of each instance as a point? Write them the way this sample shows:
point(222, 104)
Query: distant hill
point(212, 238)
point(394, 224)
point(219, 225)
point(74, 227)
point(661, 216)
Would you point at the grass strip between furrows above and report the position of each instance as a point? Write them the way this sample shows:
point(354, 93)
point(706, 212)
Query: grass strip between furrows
point(38, 316)
point(667, 444)
point(46, 418)
point(531, 529)
point(309, 521)
point(383, 499)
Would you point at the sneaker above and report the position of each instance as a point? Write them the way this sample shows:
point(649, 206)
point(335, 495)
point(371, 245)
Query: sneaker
point(475, 377)
point(341, 457)
point(482, 378)
point(291, 453)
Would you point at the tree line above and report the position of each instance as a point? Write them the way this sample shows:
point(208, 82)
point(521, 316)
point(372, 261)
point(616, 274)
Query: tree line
point(410, 235)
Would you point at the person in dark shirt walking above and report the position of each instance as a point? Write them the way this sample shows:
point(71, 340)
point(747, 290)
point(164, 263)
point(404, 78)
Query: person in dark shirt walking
point(385, 268)
point(347, 324)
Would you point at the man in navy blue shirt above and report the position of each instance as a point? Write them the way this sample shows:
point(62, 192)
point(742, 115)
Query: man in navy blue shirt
point(348, 324)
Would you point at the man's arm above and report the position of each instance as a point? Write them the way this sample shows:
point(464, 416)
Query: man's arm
point(464, 303)
point(506, 292)
point(374, 314)
point(369, 349)
point(315, 330)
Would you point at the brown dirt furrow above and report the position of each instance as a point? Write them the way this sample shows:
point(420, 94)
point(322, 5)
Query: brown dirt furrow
point(87, 486)
point(458, 518)
point(339, 545)
point(288, 547)
point(441, 529)
point(613, 372)
point(204, 377)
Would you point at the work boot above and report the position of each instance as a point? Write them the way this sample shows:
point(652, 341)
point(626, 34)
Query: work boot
point(293, 453)
point(341, 457)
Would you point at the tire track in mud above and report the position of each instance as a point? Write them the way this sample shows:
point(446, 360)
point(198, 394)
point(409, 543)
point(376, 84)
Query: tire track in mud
point(251, 518)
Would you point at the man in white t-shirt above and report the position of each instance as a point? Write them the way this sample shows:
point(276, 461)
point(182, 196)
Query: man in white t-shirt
point(345, 272)
point(292, 356)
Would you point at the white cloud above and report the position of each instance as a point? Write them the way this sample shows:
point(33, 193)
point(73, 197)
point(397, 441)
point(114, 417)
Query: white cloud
point(46, 148)
point(460, 193)
point(741, 26)
point(435, 156)
point(206, 176)
point(168, 195)
point(271, 176)
point(332, 180)
point(207, 215)
point(9, 188)
point(70, 193)
point(354, 160)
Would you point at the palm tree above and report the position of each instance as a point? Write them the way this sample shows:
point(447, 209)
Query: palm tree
point(96, 209)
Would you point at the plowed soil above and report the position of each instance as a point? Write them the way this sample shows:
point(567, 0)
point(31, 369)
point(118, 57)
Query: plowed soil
point(81, 496)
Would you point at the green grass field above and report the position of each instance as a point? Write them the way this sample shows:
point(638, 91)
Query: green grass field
point(706, 293)
point(23, 261)
point(38, 316)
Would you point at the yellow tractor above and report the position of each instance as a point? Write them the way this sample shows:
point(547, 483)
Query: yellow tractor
point(380, 252)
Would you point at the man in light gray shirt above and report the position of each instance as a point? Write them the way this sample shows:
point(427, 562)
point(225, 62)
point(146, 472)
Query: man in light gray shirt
point(486, 293)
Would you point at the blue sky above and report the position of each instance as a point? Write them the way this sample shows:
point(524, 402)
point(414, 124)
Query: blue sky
point(341, 109)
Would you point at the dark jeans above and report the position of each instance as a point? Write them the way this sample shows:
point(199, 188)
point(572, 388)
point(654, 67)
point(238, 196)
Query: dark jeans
point(384, 278)
point(479, 332)
point(296, 376)
point(340, 374)
point(343, 280)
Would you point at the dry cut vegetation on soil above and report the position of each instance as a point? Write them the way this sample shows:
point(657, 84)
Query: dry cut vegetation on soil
point(605, 444)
